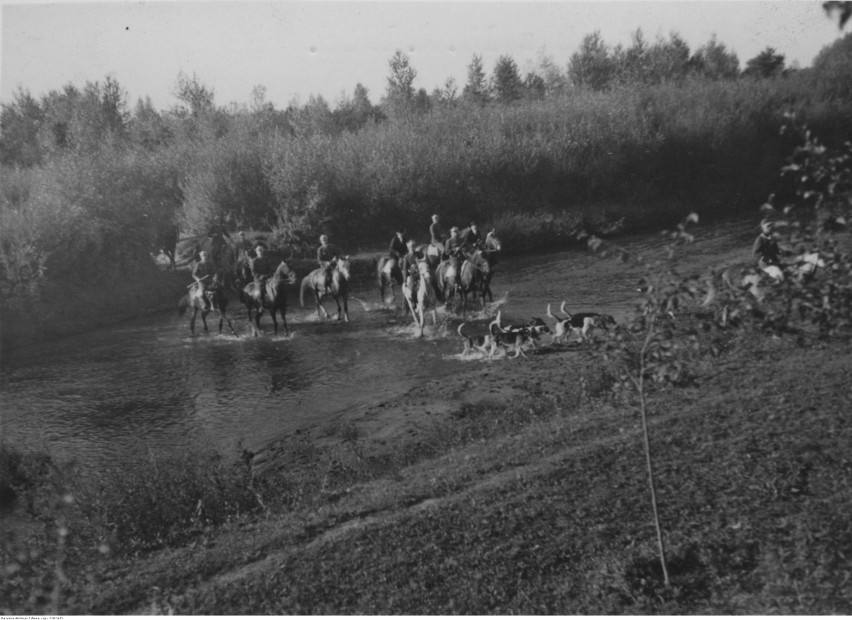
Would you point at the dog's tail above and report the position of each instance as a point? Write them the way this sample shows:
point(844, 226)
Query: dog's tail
point(494, 327)
point(564, 311)
point(459, 329)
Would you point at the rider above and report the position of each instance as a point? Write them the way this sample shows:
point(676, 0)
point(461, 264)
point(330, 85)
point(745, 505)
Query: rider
point(409, 266)
point(471, 239)
point(766, 247)
point(203, 270)
point(437, 234)
point(261, 269)
point(326, 253)
point(397, 248)
point(217, 234)
point(454, 243)
point(244, 246)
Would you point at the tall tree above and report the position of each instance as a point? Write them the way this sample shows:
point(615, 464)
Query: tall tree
point(555, 80)
point(476, 89)
point(714, 61)
point(508, 86)
point(399, 97)
point(592, 66)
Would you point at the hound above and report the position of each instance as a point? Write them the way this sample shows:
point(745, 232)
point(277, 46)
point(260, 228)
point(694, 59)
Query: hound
point(580, 323)
point(477, 336)
point(511, 337)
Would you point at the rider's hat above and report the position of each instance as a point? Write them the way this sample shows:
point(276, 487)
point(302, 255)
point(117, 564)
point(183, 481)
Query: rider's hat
point(454, 229)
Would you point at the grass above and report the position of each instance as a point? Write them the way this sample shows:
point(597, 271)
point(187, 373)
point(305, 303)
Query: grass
point(538, 506)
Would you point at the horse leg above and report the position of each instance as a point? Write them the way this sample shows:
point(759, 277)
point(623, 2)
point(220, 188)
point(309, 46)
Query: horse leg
point(204, 319)
point(230, 326)
point(192, 321)
point(319, 305)
point(257, 313)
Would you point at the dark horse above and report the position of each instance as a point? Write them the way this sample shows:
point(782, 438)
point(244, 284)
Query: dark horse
point(218, 303)
point(388, 273)
point(273, 297)
point(315, 281)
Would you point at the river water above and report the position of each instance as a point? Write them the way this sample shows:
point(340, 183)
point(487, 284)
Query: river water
point(148, 386)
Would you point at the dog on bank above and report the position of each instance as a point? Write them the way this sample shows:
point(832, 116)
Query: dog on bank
point(581, 323)
point(487, 337)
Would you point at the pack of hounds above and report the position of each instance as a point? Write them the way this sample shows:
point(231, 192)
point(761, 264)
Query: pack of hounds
point(488, 337)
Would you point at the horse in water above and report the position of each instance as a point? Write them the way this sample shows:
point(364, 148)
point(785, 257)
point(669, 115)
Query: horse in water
point(388, 273)
point(424, 295)
point(473, 276)
point(339, 290)
point(218, 303)
point(271, 295)
point(490, 248)
point(447, 279)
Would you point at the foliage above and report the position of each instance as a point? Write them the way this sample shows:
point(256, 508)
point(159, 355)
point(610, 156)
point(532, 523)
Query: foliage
point(508, 86)
point(767, 63)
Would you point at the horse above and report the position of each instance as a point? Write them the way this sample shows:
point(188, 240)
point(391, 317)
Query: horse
point(315, 281)
point(447, 279)
point(490, 248)
point(426, 298)
point(432, 253)
point(388, 273)
point(275, 299)
point(472, 278)
point(218, 303)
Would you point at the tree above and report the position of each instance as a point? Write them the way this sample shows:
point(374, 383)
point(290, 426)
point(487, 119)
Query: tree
point(713, 60)
point(196, 98)
point(508, 86)
point(19, 125)
point(555, 80)
point(146, 127)
point(353, 113)
point(592, 65)
point(400, 87)
point(476, 89)
point(832, 69)
point(766, 64)
point(534, 86)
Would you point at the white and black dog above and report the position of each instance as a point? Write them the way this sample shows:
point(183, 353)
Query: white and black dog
point(580, 323)
point(486, 337)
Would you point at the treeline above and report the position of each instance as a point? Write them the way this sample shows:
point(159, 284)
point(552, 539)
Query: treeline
point(621, 135)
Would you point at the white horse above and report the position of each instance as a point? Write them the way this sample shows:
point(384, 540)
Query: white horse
point(426, 298)
point(804, 267)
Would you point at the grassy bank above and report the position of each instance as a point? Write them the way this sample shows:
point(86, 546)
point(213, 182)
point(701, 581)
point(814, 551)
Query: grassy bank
point(535, 503)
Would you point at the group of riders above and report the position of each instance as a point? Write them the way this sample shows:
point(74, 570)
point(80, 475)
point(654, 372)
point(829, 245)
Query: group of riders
point(404, 254)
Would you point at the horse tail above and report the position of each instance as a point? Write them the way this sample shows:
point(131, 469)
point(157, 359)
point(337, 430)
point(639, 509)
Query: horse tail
point(305, 283)
point(183, 304)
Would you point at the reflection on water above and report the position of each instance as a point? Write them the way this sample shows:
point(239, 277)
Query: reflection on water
point(146, 386)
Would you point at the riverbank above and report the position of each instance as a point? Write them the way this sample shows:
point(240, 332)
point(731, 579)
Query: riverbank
point(516, 486)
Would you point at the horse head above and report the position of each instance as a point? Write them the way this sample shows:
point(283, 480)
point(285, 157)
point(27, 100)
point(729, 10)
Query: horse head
point(286, 273)
point(492, 243)
point(342, 267)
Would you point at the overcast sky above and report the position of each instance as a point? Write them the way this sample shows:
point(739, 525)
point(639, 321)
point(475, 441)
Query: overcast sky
point(326, 48)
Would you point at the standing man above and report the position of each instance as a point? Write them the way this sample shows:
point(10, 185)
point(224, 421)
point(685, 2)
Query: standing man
point(766, 247)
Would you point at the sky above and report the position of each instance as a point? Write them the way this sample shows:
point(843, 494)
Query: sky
point(302, 48)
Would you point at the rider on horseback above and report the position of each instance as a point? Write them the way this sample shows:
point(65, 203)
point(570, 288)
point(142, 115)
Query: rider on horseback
point(261, 269)
point(397, 248)
point(217, 235)
point(471, 238)
point(454, 243)
point(326, 253)
point(409, 266)
point(203, 270)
